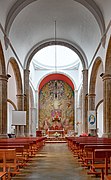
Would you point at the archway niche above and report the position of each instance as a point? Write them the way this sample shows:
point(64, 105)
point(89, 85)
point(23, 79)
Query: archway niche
point(17, 96)
point(3, 95)
point(96, 72)
point(99, 117)
point(10, 106)
point(56, 105)
point(28, 59)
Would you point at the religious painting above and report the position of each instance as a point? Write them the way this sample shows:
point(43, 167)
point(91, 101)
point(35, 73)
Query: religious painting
point(56, 106)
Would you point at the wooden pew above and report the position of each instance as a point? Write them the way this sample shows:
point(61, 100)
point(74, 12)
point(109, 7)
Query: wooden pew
point(100, 154)
point(88, 158)
point(107, 177)
point(3, 175)
point(21, 157)
point(8, 161)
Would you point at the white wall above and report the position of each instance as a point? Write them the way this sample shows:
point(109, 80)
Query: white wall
point(99, 86)
point(100, 120)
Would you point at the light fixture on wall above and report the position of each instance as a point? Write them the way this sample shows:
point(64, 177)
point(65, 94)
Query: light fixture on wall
point(8, 76)
point(102, 74)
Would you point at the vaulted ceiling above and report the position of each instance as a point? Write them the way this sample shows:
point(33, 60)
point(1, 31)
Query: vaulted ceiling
point(30, 23)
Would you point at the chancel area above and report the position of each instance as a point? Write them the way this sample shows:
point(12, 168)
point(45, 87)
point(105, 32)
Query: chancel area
point(55, 89)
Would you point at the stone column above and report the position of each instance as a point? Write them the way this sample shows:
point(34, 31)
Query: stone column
point(37, 109)
point(20, 102)
point(20, 105)
point(84, 101)
point(33, 121)
point(91, 102)
point(91, 107)
point(3, 105)
point(26, 99)
point(79, 120)
point(76, 118)
point(107, 105)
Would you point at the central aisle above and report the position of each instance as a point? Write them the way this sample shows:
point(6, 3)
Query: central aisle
point(54, 162)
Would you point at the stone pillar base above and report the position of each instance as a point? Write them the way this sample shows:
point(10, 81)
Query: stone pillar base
point(3, 136)
point(106, 135)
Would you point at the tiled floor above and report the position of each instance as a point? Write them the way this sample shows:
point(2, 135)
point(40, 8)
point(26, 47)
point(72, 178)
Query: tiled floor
point(54, 162)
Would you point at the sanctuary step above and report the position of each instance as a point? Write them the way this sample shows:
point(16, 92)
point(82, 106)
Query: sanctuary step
point(56, 140)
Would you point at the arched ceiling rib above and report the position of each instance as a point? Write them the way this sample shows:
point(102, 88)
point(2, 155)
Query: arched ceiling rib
point(74, 47)
point(79, 23)
point(19, 5)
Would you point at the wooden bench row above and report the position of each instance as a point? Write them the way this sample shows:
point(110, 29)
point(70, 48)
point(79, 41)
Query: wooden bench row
point(15, 153)
point(93, 153)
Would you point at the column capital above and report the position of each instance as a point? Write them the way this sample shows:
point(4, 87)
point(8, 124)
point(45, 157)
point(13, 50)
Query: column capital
point(106, 77)
point(33, 108)
point(3, 77)
point(20, 95)
point(84, 70)
point(91, 95)
point(78, 107)
point(27, 70)
point(75, 90)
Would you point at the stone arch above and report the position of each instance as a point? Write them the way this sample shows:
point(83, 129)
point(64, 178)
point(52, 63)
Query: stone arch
point(19, 5)
point(17, 74)
point(29, 57)
point(98, 104)
point(93, 76)
point(51, 76)
point(12, 103)
point(3, 94)
point(108, 59)
point(61, 103)
point(2, 61)
point(92, 86)
point(99, 122)
point(73, 47)
point(19, 89)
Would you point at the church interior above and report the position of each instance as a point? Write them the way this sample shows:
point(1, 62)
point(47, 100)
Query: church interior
point(55, 89)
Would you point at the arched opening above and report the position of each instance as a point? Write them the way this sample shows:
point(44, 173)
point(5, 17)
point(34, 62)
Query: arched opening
point(38, 68)
point(16, 96)
point(99, 117)
point(93, 76)
point(3, 94)
point(56, 104)
point(17, 75)
point(10, 106)
point(95, 94)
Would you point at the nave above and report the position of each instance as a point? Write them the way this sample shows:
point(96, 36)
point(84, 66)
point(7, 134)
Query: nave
point(54, 162)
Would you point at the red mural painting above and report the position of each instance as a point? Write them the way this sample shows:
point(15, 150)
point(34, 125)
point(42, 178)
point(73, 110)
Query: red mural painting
point(56, 106)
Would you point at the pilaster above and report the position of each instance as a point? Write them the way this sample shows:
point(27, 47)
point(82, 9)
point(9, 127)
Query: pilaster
point(84, 101)
point(26, 100)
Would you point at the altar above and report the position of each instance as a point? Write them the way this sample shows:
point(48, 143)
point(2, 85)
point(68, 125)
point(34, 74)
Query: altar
point(55, 133)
